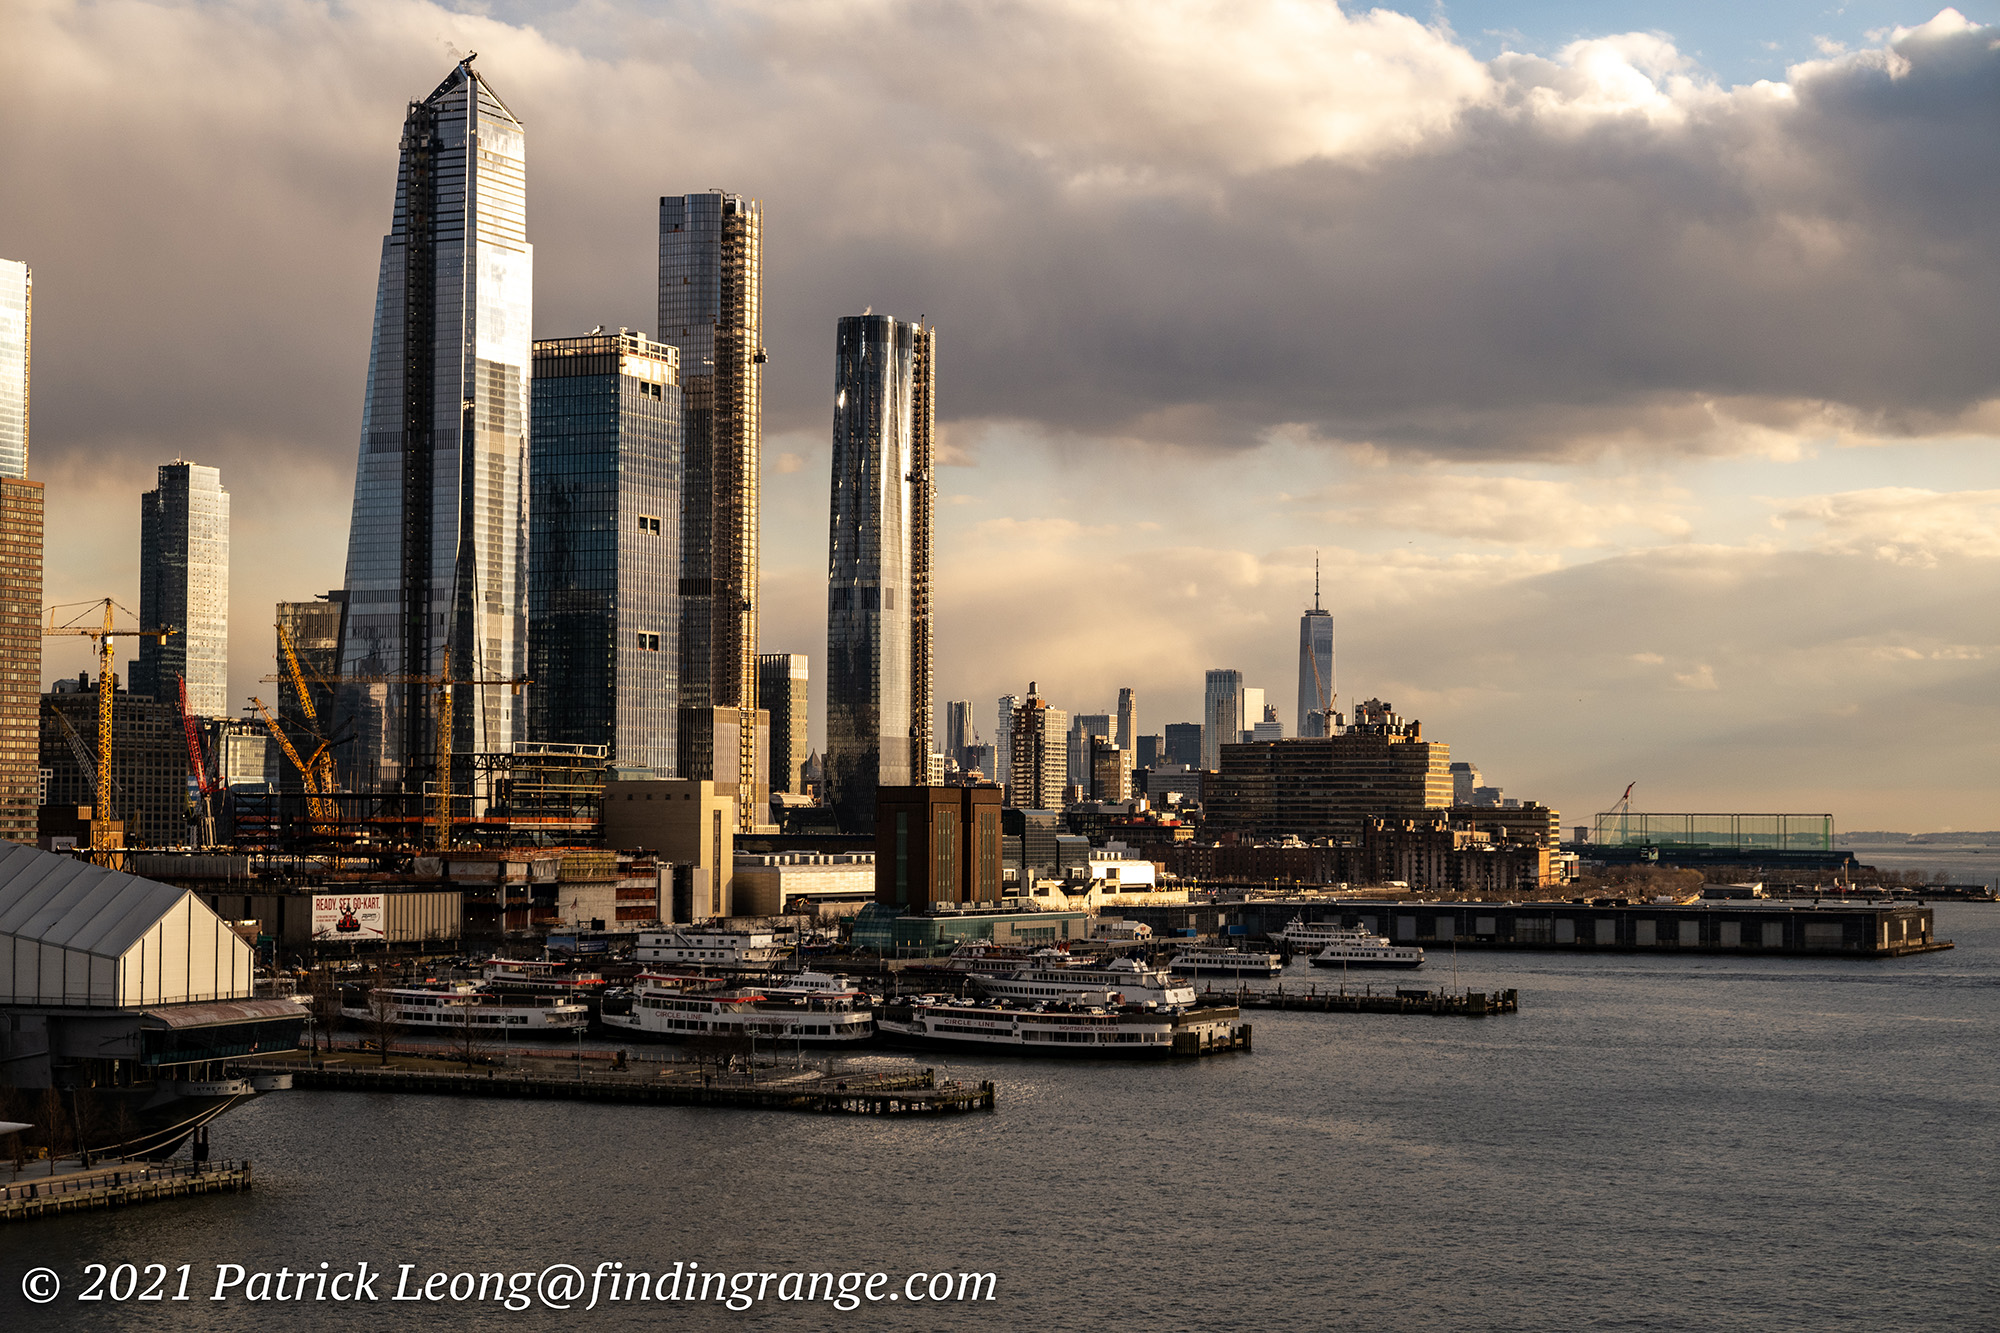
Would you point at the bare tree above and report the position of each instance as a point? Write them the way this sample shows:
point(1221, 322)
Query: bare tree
point(382, 1006)
point(468, 1041)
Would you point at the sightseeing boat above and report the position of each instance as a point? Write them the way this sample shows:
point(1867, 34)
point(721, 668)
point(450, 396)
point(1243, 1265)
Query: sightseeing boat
point(539, 976)
point(461, 1006)
point(1126, 981)
point(1090, 1024)
point(805, 1012)
point(1358, 948)
point(1203, 960)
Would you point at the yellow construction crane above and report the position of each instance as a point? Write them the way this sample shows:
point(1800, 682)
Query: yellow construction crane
point(319, 803)
point(103, 638)
point(323, 758)
point(443, 684)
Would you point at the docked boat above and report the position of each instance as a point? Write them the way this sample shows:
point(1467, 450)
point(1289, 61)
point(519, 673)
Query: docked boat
point(457, 1007)
point(1358, 948)
point(1090, 1024)
point(983, 957)
point(1126, 981)
point(1227, 962)
point(680, 1009)
point(539, 976)
point(1309, 937)
point(726, 950)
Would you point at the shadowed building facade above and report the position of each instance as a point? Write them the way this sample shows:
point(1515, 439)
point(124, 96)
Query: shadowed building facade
point(782, 685)
point(937, 845)
point(1330, 787)
point(604, 546)
point(438, 544)
point(878, 633)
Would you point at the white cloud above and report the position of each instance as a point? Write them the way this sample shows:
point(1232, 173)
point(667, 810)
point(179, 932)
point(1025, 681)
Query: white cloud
point(1903, 524)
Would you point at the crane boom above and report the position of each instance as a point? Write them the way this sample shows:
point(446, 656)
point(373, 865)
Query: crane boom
point(318, 807)
point(104, 639)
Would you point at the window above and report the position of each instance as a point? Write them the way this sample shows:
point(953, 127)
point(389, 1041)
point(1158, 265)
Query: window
point(649, 643)
point(648, 523)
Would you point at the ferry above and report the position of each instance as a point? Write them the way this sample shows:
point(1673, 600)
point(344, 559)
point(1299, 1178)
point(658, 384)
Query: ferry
point(539, 976)
point(1091, 1024)
point(1303, 936)
point(456, 1006)
point(672, 1008)
point(1126, 981)
point(984, 957)
point(720, 949)
point(1227, 962)
point(1358, 948)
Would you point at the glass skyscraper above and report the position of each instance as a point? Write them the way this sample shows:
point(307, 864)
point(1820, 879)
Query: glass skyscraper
point(20, 566)
point(184, 586)
point(878, 684)
point(1317, 695)
point(1222, 721)
point(17, 292)
point(604, 461)
point(712, 313)
point(436, 552)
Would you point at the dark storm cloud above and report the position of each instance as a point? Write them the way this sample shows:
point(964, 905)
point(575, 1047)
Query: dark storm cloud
point(1159, 223)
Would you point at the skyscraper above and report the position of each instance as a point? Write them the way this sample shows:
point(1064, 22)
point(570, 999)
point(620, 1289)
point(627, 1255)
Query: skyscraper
point(439, 538)
point(20, 567)
point(184, 586)
point(1128, 720)
point(17, 314)
point(958, 730)
point(1083, 726)
point(1040, 751)
point(1317, 695)
point(1221, 715)
point(1003, 738)
point(712, 312)
point(604, 457)
point(313, 629)
point(878, 687)
point(782, 686)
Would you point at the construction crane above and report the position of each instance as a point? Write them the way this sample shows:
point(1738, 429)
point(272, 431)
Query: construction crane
point(319, 804)
point(323, 757)
point(443, 685)
point(198, 765)
point(103, 639)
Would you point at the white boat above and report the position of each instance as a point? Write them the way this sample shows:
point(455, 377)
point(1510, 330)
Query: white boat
point(720, 949)
point(457, 1007)
point(1227, 962)
point(983, 957)
point(680, 1009)
point(1126, 981)
point(1303, 936)
point(1088, 1025)
point(539, 976)
point(1358, 948)
point(810, 986)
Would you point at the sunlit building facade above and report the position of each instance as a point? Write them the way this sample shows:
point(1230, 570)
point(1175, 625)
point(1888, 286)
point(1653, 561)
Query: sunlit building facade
point(20, 565)
point(604, 546)
point(184, 586)
point(438, 544)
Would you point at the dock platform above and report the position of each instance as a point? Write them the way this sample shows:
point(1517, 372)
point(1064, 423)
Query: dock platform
point(118, 1186)
point(900, 1093)
point(1340, 1000)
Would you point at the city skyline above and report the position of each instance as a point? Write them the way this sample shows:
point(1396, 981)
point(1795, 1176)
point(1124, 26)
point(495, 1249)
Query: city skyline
point(1777, 543)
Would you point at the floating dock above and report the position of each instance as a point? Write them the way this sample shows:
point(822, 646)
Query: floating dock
point(1720, 926)
point(903, 1092)
point(118, 1186)
point(1337, 1000)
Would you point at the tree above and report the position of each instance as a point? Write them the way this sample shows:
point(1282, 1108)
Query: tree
point(382, 1007)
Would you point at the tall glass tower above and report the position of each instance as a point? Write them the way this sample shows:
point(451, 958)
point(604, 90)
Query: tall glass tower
point(712, 312)
point(20, 566)
point(604, 545)
point(184, 586)
point(436, 552)
point(1223, 698)
point(1317, 695)
point(878, 678)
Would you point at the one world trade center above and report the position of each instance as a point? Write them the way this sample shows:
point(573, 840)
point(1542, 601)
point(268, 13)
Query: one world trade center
point(437, 550)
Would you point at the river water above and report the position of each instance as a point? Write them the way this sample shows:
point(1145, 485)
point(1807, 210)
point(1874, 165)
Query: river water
point(1688, 1143)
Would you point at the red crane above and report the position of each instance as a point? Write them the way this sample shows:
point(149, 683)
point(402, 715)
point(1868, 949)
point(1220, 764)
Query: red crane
point(198, 765)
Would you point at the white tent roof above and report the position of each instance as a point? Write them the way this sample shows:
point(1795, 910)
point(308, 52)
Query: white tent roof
point(72, 904)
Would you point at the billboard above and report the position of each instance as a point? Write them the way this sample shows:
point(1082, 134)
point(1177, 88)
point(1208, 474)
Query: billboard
point(359, 917)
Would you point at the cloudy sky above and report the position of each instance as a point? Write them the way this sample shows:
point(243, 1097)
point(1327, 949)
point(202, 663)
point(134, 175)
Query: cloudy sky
point(1630, 367)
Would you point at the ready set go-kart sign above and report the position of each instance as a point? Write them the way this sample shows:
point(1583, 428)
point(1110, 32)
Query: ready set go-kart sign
point(349, 916)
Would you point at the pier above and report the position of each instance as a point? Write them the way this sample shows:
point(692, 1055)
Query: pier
point(902, 1092)
point(118, 1186)
point(1340, 1000)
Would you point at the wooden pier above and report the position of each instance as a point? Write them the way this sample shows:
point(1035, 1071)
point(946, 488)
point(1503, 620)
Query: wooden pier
point(1343, 1000)
point(901, 1092)
point(118, 1186)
